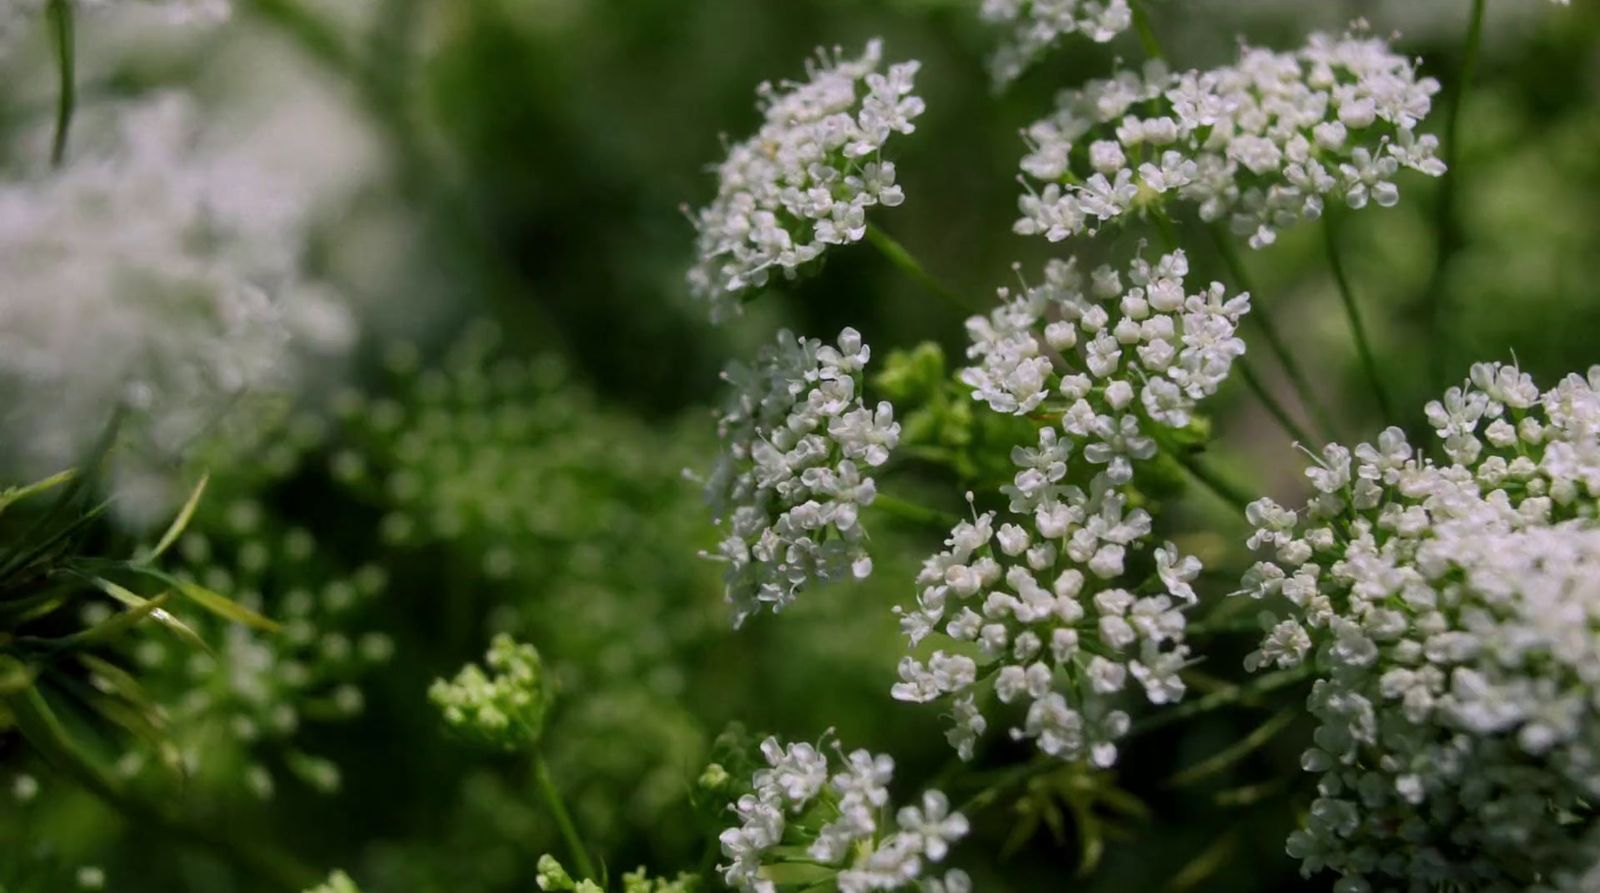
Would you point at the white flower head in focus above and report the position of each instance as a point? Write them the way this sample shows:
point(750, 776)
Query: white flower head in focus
point(1450, 611)
point(808, 176)
point(837, 809)
point(1068, 600)
point(799, 448)
point(1258, 145)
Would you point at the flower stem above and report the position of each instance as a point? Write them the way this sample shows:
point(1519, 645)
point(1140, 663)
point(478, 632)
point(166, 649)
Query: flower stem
point(1446, 224)
point(1147, 34)
point(897, 254)
point(1227, 697)
point(1369, 361)
point(1274, 408)
point(1221, 487)
point(558, 811)
point(1269, 329)
point(60, 15)
point(913, 512)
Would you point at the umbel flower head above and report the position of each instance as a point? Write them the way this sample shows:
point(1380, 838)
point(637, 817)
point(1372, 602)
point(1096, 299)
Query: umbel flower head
point(1450, 611)
point(835, 809)
point(799, 445)
point(805, 180)
point(502, 709)
point(1259, 144)
point(1068, 599)
point(1038, 25)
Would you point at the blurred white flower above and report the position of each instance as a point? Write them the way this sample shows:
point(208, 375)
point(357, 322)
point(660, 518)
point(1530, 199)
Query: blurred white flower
point(156, 275)
point(1037, 25)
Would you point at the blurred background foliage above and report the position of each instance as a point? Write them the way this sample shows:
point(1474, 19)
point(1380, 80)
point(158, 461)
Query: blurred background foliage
point(504, 452)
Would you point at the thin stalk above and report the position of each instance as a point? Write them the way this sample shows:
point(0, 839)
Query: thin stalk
point(558, 811)
point(913, 512)
point(902, 259)
point(1147, 34)
point(1227, 697)
point(1369, 360)
point(1269, 329)
point(1446, 224)
point(1274, 408)
point(60, 15)
point(1220, 487)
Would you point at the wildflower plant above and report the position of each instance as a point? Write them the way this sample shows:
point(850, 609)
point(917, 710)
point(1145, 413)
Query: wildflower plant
point(834, 810)
point(1257, 145)
point(1069, 600)
point(500, 705)
point(799, 447)
point(807, 178)
point(1036, 26)
point(1447, 608)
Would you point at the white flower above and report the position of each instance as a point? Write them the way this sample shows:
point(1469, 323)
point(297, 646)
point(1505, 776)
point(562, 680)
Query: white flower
point(798, 446)
point(158, 273)
point(1049, 583)
point(1449, 610)
point(1037, 25)
point(805, 180)
point(782, 811)
point(1258, 144)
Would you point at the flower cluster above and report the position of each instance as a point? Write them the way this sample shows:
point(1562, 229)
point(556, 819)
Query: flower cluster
point(1066, 601)
point(502, 709)
point(1259, 144)
point(1450, 611)
point(798, 445)
point(156, 274)
point(848, 837)
point(1037, 25)
point(259, 689)
point(807, 177)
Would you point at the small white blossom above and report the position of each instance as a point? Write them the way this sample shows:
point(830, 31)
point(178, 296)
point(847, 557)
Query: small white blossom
point(1451, 612)
point(799, 445)
point(1037, 25)
point(1259, 144)
point(806, 179)
point(851, 836)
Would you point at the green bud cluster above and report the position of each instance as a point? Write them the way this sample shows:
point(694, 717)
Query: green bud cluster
point(502, 708)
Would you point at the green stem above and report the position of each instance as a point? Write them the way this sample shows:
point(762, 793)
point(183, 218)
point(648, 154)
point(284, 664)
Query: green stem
point(1227, 697)
point(1147, 34)
point(1269, 329)
point(1450, 235)
point(60, 15)
point(558, 811)
point(1221, 487)
point(1369, 360)
point(915, 513)
point(897, 255)
point(1274, 408)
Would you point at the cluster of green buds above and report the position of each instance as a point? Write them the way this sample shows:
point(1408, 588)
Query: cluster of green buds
point(502, 708)
point(338, 882)
point(554, 878)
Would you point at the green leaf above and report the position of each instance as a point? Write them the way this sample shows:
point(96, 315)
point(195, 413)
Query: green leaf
point(211, 601)
point(181, 522)
point(16, 494)
point(138, 602)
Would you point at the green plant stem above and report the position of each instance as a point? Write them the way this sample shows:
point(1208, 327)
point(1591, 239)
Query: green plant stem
point(1147, 34)
point(1269, 329)
point(1369, 360)
point(1227, 697)
point(907, 263)
point(1279, 413)
point(563, 819)
point(1446, 222)
point(913, 512)
point(1221, 487)
point(63, 42)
